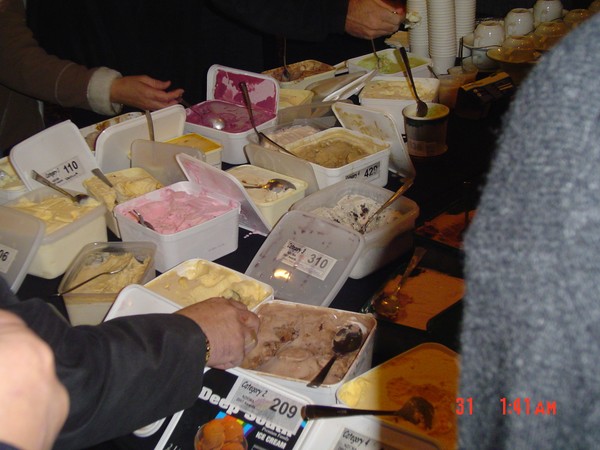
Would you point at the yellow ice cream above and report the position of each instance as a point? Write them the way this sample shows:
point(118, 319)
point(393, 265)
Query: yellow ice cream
point(196, 141)
point(8, 177)
point(198, 280)
point(127, 184)
point(56, 212)
point(398, 89)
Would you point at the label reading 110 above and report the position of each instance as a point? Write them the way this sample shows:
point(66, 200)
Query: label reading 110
point(7, 256)
point(306, 259)
point(267, 404)
point(66, 171)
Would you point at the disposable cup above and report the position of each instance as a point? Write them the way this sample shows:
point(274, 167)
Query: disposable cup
point(426, 136)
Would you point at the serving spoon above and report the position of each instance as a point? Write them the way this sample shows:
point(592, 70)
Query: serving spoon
point(416, 410)
point(401, 190)
point(141, 220)
point(274, 184)
point(77, 198)
point(347, 339)
point(72, 288)
point(421, 105)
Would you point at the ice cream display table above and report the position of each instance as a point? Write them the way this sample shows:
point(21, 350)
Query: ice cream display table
point(440, 182)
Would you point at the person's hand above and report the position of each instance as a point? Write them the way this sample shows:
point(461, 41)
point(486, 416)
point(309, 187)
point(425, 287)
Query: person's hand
point(229, 326)
point(369, 19)
point(33, 402)
point(143, 92)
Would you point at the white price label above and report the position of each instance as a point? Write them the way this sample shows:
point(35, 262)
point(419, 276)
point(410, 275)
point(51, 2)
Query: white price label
point(64, 172)
point(306, 259)
point(7, 256)
point(372, 172)
point(265, 406)
point(351, 440)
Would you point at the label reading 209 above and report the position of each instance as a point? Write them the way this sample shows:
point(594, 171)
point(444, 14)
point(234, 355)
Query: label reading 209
point(306, 259)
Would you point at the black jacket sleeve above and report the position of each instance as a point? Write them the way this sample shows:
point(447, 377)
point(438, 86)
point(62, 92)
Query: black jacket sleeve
point(305, 20)
point(120, 375)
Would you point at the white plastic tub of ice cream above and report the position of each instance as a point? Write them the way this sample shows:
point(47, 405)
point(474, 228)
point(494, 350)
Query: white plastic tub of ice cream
point(69, 226)
point(393, 94)
point(91, 132)
point(302, 73)
point(430, 371)
point(195, 280)
point(11, 185)
point(351, 203)
point(130, 262)
point(295, 342)
point(127, 184)
point(392, 63)
point(224, 117)
point(272, 203)
point(338, 153)
point(211, 150)
point(187, 222)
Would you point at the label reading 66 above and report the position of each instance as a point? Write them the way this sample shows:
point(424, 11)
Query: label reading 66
point(306, 259)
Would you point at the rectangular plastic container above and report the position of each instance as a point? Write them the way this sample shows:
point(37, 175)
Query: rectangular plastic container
point(393, 94)
point(209, 240)
point(225, 102)
point(392, 63)
point(196, 280)
point(91, 132)
point(303, 73)
point(59, 248)
point(372, 168)
point(89, 306)
point(11, 185)
point(428, 370)
point(309, 330)
point(211, 150)
point(383, 244)
point(271, 204)
point(127, 179)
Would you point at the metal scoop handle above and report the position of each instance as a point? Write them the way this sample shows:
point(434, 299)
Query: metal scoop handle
point(407, 184)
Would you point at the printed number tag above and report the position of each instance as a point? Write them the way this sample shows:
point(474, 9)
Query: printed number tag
point(306, 259)
point(66, 171)
point(351, 440)
point(369, 173)
point(265, 403)
point(7, 256)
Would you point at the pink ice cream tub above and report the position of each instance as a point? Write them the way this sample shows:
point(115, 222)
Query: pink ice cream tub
point(224, 117)
point(187, 221)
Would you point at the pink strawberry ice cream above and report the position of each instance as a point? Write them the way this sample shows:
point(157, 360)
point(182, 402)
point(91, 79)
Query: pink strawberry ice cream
point(176, 211)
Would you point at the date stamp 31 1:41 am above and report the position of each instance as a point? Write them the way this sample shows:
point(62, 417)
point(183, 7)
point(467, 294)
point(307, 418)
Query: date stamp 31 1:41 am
point(520, 406)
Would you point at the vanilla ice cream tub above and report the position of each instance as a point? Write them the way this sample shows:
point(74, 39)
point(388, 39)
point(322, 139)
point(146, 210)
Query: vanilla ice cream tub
point(127, 184)
point(196, 280)
point(11, 185)
point(272, 203)
point(120, 263)
point(295, 342)
point(68, 227)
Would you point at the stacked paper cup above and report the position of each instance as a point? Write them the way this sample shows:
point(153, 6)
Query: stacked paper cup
point(418, 35)
point(442, 34)
point(464, 11)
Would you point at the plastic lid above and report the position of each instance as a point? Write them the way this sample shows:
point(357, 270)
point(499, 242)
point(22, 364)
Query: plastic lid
point(114, 143)
point(20, 237)
point(59, 153)
point(222, 83)
point(379, 125)
point(306, 259)
point(225, 184)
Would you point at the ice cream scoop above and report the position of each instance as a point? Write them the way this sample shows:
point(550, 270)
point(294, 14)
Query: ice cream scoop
point(401, 190)
point(346, 340)
point(77, 198)
point(274, 184)
point(416, 410)
point(141, 220)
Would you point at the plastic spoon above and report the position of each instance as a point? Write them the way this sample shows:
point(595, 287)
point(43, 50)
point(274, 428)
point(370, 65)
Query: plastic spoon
point(346, 340)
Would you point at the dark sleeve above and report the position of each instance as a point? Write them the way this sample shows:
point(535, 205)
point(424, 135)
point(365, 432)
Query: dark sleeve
point(308, 20)
point(122, 374)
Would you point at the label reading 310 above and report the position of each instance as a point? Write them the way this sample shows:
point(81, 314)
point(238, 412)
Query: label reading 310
point(306, 259)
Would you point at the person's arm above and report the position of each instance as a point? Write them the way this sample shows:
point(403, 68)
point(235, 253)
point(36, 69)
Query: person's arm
point(314, 20)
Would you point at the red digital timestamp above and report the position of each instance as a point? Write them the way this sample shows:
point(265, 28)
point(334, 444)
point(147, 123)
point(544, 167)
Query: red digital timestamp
point(520, 406)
